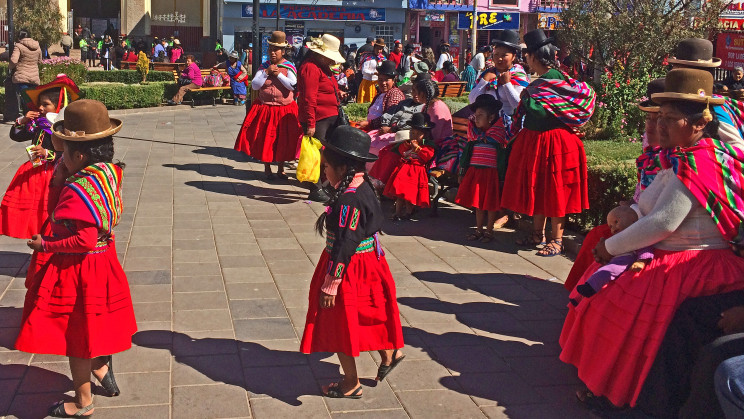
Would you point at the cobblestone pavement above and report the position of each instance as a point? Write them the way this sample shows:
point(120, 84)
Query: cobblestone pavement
point(219, 261)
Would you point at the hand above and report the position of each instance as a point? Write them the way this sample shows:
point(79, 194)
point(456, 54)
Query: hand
point(38, 150)
point(600, 253)
point(363, 125)
point(273, 70)
point(326, 300)
point(385, 130)
point(414, 144)
point(343, 95)
point(30, 115)
point(504, 78)
point(35, 243)
point(638, 266)
point(732, 320)
point(310, 131)
point(489, 76)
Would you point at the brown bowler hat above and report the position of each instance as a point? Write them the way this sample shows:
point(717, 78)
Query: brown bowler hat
point(688, 85)
point(695, 52)
point(86, 120)
point(278, 39)
point(379, 42)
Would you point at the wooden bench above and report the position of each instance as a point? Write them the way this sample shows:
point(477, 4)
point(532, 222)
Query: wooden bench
point(157, 66)
point(128, 65)
point(441, 181)
point(204, 73)
point(451, 89)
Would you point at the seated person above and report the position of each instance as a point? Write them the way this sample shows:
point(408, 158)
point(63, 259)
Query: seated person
point(618, 219)
point(735, 81)
point(449, 73)
point(387, 97)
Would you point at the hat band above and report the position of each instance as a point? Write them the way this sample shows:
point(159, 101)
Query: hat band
point(318, 43)
point(69, 133)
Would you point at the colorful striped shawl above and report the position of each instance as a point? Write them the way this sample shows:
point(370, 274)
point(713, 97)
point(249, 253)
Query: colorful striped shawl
point(648, 166)
point(495, 134)
point(569, 100)
point(714, 173)
point(287, 65)
point(732, 113)
point(99, 187)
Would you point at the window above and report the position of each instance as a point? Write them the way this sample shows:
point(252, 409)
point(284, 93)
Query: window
point(385, 32)
point(505, 2)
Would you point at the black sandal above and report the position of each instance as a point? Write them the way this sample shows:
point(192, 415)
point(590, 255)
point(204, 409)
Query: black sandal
point(553, 248)
point(108, 382)
point(334, 392)
point(57, 410)
point(487, 237)
point(475, 235)
point(282, 175)
point(534, 239)
point(384, 370)
point(594, 402)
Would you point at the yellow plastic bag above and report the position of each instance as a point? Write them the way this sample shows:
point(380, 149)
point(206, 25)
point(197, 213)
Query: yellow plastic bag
point(308, 168)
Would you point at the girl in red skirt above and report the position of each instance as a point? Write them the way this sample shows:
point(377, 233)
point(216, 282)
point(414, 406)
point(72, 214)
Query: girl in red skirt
point(409, 182)
point(479, 188)
point(24, 206)
point(352, 305)
point(271, 131)
point(546, 176)
point(79, 305)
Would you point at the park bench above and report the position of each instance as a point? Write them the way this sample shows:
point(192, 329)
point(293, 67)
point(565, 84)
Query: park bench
point(157, 66)
point(451, 89)
point(441, 181)
point(204, 73)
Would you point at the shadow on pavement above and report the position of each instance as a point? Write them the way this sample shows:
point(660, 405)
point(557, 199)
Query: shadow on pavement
point(270, 195)
point(216, 170)
point(225, 153)
point(283, 375)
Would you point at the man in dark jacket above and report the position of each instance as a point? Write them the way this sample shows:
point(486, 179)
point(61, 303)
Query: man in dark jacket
point(366, 48)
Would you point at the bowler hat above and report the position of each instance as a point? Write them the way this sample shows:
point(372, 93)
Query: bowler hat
point(387, 68)
point(654, 86)
point(536, 39)
point(420, 120)
point(509, 39)
point(86, 120)
point(695, 52)
point(350, 142)
point(379, 42)
point(488, 102)
point(688, 85)
point(234, 54)
point(278, 39)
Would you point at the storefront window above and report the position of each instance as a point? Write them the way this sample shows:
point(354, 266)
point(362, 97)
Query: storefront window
point(385, 32)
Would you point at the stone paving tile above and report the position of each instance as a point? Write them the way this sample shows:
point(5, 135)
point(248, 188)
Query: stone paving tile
point(219, 263)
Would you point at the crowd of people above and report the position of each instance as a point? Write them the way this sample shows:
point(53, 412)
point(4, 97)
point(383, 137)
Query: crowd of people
point(656, 294)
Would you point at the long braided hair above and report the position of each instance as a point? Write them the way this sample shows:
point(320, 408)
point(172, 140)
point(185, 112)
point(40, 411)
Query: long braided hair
point(353, 167)
point(428, 87)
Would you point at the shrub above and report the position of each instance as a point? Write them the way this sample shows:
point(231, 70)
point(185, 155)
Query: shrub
point(128, 76)
point(357, 111)
point(4, 72)
point(124, 96)
point(48, 69)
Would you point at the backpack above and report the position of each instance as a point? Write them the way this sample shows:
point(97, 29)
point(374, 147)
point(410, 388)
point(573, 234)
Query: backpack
point(225, 79)
point(214, 79)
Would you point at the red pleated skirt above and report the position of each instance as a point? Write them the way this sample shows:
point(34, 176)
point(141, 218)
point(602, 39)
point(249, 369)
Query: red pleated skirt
point(614, 336)
point(365, 316)
point(386, 163)
point(480, 189)
point(546, 174)
point(585, 258)
point(24, 206)
point(410, 183)
point(270, 133)
point(78, 305)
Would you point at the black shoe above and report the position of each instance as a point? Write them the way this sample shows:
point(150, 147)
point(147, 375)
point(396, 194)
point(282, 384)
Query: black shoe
point(171, 103)
point(108, 382)
point(58, 411)
point(318, 196)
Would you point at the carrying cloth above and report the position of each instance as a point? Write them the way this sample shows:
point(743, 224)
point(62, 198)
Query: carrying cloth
point(714, 172)
point(99, 187)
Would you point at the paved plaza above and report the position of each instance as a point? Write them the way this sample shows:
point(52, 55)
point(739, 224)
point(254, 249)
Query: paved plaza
point(219, 261)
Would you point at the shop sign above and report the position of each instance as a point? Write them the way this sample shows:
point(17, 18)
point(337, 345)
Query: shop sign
point(734, 10)
point(730, 49)
point(300, 12)
point(732, 24)
point(549, 21)
point(434, 16)
point(295, 30)
point(488, 20)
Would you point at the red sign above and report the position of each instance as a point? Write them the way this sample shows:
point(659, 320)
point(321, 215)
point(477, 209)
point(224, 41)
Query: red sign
point(732, 24)
point(730, 49)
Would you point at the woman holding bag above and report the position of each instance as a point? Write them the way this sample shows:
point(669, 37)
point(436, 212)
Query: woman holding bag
point(238, 76)
point(317, 92)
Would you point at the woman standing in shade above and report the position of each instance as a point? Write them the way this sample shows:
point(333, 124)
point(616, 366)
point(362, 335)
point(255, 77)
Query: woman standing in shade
point(271, 131)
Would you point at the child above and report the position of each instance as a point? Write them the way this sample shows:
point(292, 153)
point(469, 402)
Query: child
point(409, 182)
point(618, 219)
point(80, 306)
point(479, 187)
point(352, 293)
point(24, 206)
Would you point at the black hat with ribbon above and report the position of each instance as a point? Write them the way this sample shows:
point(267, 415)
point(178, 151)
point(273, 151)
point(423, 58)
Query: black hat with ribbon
point(350, 142)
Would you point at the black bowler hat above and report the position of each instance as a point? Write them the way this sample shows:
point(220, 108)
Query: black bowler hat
point(488, 102)
point(387, 68)
point(695, 52)
point(350, 142)
point(536, 39)
point(654, 86)
point(420, 120)
point(507, 38)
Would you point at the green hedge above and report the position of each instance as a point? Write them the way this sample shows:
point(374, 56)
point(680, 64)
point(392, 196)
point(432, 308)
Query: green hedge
point(48, 72)
point(129, 96)
point(128, 76)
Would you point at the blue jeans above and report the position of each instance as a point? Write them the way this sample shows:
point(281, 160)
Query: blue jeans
point(20, 88)
point(729, 381)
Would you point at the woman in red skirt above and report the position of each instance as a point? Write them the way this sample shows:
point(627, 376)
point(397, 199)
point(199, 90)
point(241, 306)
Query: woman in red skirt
point(352, 303)
point(409, 183)
point(79, 305)
point(479, 187)
point(689, 213)
point(271, 131)
point(24, 206)
point(546, 176)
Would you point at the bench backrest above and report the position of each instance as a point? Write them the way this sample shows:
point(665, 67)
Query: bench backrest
point(451, 89)
point(204, 72)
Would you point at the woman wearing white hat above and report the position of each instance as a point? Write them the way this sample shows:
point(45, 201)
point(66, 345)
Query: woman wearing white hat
point(318, 93)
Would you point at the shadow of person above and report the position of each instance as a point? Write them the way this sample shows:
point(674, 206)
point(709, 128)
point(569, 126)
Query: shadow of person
point(270, 195)
point(10, 323)
point(225, 153)
point(216, 170)
point(31, 389)
point(280, 374)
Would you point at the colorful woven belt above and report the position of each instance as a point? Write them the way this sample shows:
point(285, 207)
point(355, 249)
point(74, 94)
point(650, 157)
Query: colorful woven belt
point(367, 245)
point(101, 247)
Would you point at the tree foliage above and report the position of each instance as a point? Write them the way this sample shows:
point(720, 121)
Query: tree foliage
point(41, 18)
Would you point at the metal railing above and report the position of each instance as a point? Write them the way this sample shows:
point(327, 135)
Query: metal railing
point(548, 4)
point(3, 27)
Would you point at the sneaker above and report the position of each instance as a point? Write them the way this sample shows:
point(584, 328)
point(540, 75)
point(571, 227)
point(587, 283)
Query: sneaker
point(318, 195)
point(171, 102)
